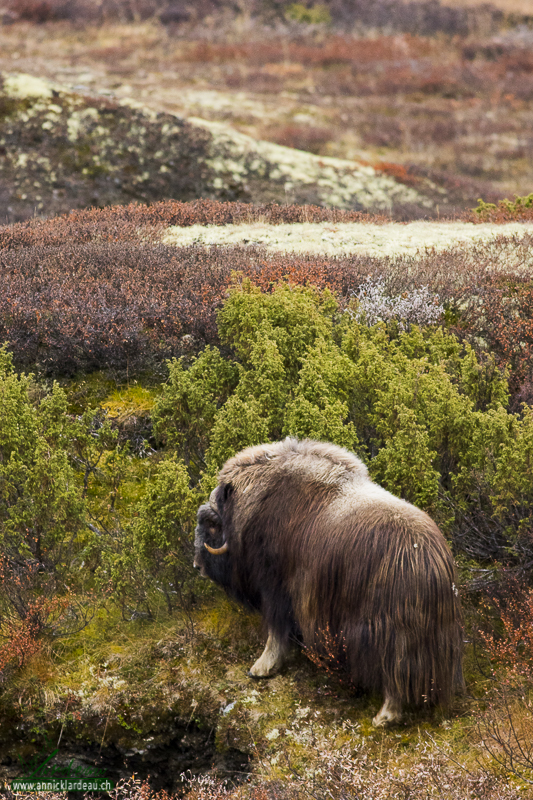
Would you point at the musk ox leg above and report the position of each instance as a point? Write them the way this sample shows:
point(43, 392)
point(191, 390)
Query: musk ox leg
point(390, 712)
point(272, 658)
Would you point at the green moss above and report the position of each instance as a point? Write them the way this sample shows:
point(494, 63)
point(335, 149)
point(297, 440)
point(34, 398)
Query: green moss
point(88, 391)
point(10, 106)
point(132, 401)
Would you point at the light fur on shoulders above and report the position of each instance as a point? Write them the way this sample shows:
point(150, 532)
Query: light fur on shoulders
point(328, 461)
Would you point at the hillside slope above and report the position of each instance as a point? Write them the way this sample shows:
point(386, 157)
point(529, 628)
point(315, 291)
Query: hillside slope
point(61, 150)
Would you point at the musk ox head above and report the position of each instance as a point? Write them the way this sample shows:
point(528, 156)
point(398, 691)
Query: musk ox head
point(297, 531)
point(209, 535)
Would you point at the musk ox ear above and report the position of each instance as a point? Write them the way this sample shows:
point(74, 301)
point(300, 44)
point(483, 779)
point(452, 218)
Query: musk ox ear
point(209, 526)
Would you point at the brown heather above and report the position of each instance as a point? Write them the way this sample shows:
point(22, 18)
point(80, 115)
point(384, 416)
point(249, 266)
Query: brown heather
point(97, 289)
point(424, 16)
point(129, 222)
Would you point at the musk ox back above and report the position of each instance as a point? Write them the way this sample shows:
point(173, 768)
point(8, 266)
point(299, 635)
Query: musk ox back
point(297, 531)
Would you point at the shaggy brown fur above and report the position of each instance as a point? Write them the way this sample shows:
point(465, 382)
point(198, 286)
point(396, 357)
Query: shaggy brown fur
point(324, 553)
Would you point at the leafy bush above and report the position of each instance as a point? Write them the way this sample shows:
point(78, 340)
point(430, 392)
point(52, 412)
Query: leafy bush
point(42, 514)
point(42, 508)
point(499, 313)
point(315, 15)
point(80, 293)
point(427, 415)
point(70, 509)
point(506, 210)
point(140, 517)
point(185, 412)
point(166, 519)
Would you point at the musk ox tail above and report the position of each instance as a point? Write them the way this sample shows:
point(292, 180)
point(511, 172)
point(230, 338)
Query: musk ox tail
point(412, 624)
point(399, 618)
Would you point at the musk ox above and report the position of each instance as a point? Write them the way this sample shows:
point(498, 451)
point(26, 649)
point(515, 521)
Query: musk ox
point(297, 531)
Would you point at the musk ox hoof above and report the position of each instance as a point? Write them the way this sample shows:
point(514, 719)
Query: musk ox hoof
point(253, 674)
point(271, 660)
point(390, 712)
point(263, 668)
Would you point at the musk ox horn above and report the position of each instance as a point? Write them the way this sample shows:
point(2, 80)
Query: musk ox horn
point(217, 551)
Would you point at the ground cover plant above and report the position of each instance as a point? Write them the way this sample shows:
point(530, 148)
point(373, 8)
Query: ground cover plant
point(201, 352)
point(426, 17)
point(81, 291)
point(519, 208)
point(80, 150)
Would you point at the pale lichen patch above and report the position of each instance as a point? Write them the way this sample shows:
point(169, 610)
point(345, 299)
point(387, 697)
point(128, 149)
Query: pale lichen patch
point(337, 182)
point(21, 86)
point(344, 238)
point(115, 151)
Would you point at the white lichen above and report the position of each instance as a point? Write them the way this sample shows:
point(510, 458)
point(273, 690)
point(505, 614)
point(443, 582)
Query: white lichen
point(416, 307)
point(79, 121)
point(344, 238)
point(21, 85)
point(339, 183)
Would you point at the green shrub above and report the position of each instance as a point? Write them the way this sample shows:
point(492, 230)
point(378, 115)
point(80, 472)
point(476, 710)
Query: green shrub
point(519, 208)
point(319, 406)
point(162, 531)
point(41, 505)
point(292, 316)
point(42, 516)
point(315, 15)
point(185, 411)
point(426, 414)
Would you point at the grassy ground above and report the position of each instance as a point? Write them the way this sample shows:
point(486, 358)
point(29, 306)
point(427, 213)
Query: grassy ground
point(127, 695)
point(169, 697)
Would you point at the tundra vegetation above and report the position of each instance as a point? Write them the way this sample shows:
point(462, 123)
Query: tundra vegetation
point(433, 100)
point(131, 371)
point(133, 366)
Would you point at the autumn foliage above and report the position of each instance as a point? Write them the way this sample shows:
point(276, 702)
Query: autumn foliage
point(129, 222)
point(512, 643)
point(98, 289)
